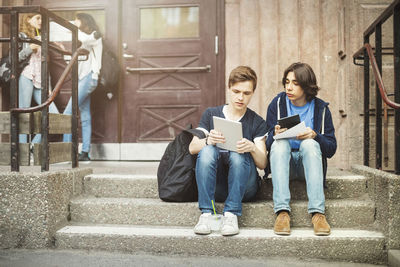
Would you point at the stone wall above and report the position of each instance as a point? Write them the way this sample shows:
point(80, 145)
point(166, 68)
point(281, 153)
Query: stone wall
point(33, 206)
point(384, 190)
point(269, 35)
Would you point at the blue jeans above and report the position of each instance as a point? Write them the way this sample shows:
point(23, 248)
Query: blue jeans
point(306, 163)
point(85, 87)
point(225, 176)
point(26, 91)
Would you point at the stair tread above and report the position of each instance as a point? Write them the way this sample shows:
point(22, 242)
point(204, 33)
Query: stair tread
point(155, 201)
point(245, 232)
point(108, 176)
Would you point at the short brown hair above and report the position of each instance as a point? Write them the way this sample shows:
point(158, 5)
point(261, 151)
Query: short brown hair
point(305, 77)
point(242, 74)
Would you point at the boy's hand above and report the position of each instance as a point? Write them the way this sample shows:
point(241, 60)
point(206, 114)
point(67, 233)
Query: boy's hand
point(245, 145)
point(278, 129)
point(215, 137)
point(308, 134)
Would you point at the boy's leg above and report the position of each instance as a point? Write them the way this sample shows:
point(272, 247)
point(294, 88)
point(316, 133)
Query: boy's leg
point(311, 157)
point(206, 174)
point(310, 152)
point(239, 171)
point(280, 156)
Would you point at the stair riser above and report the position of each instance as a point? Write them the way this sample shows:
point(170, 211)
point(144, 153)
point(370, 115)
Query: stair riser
point(148, 188)
point(367, 250)
point(186, 214)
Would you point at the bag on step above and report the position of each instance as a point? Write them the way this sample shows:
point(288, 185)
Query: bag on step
point(176, 172)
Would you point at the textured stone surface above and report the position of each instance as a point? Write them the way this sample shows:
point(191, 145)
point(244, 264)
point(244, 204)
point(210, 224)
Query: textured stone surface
point(145, 186)
point(340, 213)
point(393, 258)
point(384, 189)
point(349, 245)
point(34, 205)
point(121, 185)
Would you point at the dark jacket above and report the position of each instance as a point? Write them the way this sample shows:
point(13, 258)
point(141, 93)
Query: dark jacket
point(325, 137)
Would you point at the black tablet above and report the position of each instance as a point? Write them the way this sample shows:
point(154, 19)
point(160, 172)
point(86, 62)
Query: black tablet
point(289, 122)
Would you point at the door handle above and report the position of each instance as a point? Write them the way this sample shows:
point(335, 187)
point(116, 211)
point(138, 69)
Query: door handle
point(128, 56)
point(170, 69)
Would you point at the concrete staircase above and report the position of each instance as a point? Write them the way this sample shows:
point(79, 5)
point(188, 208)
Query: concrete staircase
point(123, 213)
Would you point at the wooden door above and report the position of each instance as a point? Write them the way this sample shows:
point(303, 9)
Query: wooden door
point(170, 52)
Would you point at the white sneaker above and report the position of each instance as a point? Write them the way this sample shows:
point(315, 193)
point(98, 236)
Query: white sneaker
point(229, 224)
point(203, 226)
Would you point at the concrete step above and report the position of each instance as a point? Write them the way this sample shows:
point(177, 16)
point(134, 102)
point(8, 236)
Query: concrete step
point(341, 245)
point(145, 186)
point(340, 213)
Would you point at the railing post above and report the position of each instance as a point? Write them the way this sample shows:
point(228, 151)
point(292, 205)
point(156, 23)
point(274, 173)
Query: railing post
point(74, 96)
point(14, 117)
point(366, 103)
point(396, 58)
point(45, 91)
point(378, 99)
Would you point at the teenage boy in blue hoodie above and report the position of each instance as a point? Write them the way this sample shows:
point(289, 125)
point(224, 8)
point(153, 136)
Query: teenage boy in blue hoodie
point(303, 157)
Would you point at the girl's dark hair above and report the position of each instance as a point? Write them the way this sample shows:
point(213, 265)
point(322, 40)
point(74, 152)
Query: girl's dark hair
point(88, 24)
point(242, 74)
point(305, 77)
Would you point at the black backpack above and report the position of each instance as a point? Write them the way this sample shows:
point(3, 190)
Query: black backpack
point(110, 70)
point(176, 172)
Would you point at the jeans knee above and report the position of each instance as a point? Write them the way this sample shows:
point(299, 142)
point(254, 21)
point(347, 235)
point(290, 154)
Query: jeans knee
point(310, 146)
point(207, 155)
point(239, 160)
point(280, 147)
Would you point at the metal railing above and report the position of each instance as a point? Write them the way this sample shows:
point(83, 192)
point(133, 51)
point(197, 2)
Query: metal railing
point(72, 67)
point(366, 54)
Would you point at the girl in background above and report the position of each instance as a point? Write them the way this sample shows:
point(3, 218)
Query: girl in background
point(30, 84)
point(88, 73)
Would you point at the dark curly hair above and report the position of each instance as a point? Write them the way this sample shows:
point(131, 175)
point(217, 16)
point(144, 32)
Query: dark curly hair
point(305, 77)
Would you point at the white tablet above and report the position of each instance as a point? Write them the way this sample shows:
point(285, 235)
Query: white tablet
point(232, 131)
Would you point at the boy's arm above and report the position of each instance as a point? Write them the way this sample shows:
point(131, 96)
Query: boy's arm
point(196, 145)
point(260, 153)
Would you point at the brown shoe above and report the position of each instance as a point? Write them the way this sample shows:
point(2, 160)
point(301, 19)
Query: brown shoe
point(282, 223)
point(321, 226)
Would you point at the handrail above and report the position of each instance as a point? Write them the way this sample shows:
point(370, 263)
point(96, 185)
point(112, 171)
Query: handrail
point(382, 18)
point(57, 88)
point(378, 78)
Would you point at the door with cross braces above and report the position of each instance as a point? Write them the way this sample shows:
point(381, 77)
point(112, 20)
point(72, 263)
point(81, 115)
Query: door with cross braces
point(170, 54)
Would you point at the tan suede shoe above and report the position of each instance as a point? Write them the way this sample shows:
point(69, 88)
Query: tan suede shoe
point(282, 223)
point(321, 226)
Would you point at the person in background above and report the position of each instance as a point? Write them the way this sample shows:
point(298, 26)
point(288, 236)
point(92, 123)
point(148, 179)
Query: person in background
point(229, 176)
point(303, 157)
point(30, 84)
point(88, 73)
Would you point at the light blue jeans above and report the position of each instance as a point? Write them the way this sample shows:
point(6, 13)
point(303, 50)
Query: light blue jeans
point(25, 93)
point(306, 163)
point(225, 176)
point(85, 87)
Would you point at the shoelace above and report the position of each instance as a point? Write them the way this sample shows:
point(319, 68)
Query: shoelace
point(282, 217)
point(318, 217)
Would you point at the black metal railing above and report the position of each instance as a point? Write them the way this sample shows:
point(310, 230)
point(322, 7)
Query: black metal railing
point(366, 54)
point(72, 67)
